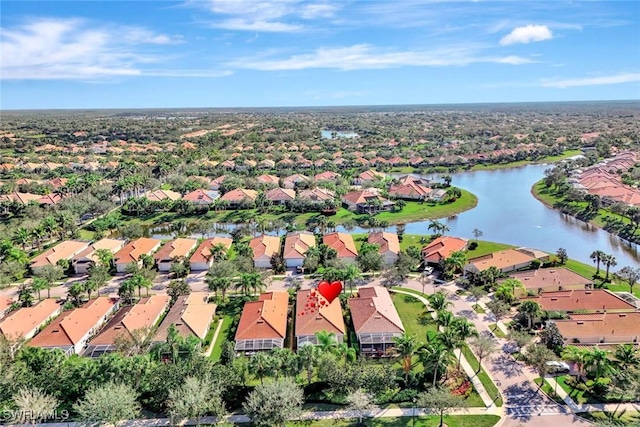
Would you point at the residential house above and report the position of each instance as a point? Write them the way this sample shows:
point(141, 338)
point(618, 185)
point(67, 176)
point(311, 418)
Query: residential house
point(175, 249)
point(369, 176)
point(141, 317)
point(318, 195)
point(581, 300)
point(21, 198)
point(600, 328)
point(441, 248)
point(315, 314)
point(65, 250)
point(215, 183)
point(389, 245)
point(25, 322)
point(263, 323)
point(270, 180)
point(264, 247)
point(411, 188)
point(239, 196)
point(266, 164)
point(280, 196)
point(375, 320)
point(191, 315)
point(343, 244)
point(88, 257)
point(296, 246)
point(366, 201)
point(292, 181)
point(202, 258)
point(506, 260)
point(160, 195)
point(326, 176)
point(201, 197)
point(549, 279)
point(71, 331)
point(132, 252)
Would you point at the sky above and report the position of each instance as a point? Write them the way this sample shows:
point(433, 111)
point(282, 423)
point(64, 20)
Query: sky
point(270, 53)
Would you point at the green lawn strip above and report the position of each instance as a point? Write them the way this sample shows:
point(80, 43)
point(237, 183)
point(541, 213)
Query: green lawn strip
point(579, 396)
point(489, 386)
point(478, 309)
point(622, 418)
point(546, 388)
point(423, 421)
point(222, 337)
point(496, 331)
point(485, 247)
point(410, 314)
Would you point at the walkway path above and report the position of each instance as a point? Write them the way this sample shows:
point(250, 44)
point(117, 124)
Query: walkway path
point(215, 337)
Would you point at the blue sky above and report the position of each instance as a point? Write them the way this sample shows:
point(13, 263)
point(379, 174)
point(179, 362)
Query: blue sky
point(244, 53)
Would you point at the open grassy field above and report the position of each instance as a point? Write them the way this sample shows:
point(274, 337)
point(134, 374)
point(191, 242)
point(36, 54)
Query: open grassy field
point(548, 159)
point(428, 421)
point(485, 247)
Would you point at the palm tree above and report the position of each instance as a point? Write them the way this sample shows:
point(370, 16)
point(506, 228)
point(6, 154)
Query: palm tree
point(435, 357)
point(307, 354)
point(126, 291)
point(350, 273)
point(347, 353)
point(260, 365)
point(576, 355)
point(39, 284)
point(444, 318)
point(626, 356)
point(438, 301)
point(218, 252)
point(105, 256)
point(437, 227)
point(598, 360)
point(609, 261)
point(596, 256)
point(456, 261)
point(327, 342)
point(531, 309)
point(464, 330)
point(22, 237)
point(250, 282)
point(477, 233)
point(406, 346)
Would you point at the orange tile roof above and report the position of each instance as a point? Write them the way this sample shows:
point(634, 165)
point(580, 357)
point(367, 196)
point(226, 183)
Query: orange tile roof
point(442, 247)
point(279, 194)
point(549, 278)
point(265, 318)
point(501, 259)
point(132, 251)
point(343, 243)
point(581, 299)
point(179, 247)
point(373, 311)
point(190, 315)
point(239, 194)
point(159, 195)
point(64, 250)
point(361, 196)
point(309, 320)
point(297, 244)
point(112, 245)
point(612, 327)
point(388, 241)
point(203, 251)
point(72, 326)
point(20, 322)
point(265, 245)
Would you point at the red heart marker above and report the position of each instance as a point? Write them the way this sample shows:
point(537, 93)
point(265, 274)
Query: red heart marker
point(330, 290)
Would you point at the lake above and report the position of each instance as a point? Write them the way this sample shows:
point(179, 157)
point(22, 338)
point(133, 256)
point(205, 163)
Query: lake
point(336, 134)
point(507, 213)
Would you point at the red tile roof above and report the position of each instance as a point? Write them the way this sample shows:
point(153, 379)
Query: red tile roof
point(581, 299)
point(373, 312)
point(203, 251)
point(322, 317)
point(388, 241)
point(265, 318)
point(343, 244)
point(442, 247)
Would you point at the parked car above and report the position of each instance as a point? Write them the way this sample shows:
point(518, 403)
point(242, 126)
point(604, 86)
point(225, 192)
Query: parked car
point(299, 269)
point(555, 367)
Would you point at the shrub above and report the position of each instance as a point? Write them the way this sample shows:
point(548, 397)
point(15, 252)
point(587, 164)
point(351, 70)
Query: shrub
point(473, 246)
point(410, 299)
point(406, 395)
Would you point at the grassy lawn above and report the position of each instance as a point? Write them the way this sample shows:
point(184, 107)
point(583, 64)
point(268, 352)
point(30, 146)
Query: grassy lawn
point(478, 309)
point(428, 421)
point(546, 388)
point(496, 331)
point(621, 418)
point(489, 386)
point(548, 159)
point(485, 248)
point(415, 211)
point(85, 234)
point(222, 337)
point(410, 313)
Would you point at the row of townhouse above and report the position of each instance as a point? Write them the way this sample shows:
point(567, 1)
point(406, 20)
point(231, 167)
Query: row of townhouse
point(97, 327)
point(263, 323)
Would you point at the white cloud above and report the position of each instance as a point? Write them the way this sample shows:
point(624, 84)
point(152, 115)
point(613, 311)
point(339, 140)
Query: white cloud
point(364, 56)
point(267, 15)
point(74, 49)
point(593, 81)
point(527, 34)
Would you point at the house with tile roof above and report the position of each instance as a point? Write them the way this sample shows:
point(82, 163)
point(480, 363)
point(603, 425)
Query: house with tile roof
point(343, 244)
point(71, 331)
point(369, 176)
point(142, 316)
point(315, 314)
point(202, 259)
point(292, 181)
point(441, 248)
point(366, 201)
point(64, 250)
point(263, 323)
point(267, 179)
point(389, 245)
point(215, 183)
point(179, 248)
point(581, 300)
point(23, 323)
point(263, 248)
point(201, 197)
point(548, 280)
point(375, 320)
point(317, 195)
point(506, 260)
point(296, 246)
point(326, 176)
point(131, 253)
point(160, 195)
point(280, 196)
point(190, 315)
point(87, 258)
point(600, 328)
point(239, 196)
point(410, 190)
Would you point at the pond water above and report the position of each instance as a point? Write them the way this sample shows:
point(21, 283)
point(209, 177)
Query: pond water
point(507, 213)
point(336, 134)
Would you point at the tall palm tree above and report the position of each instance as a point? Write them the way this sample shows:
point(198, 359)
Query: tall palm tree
point(350, 273)
point(576, 355)
point(22, 237)
point(531, 309)
point(438, 301)
point(596, 256)
point(260, 365)
point(346, 353)
point(444, 318)
point(626, 356)
point(435, 357)
point(456, 261)
point(609, 261)
point(105, 257)
point(327, 342)
point(307, 355)
point(406, 346)
point(218, 252)
point(598, 360)
point(464, 330)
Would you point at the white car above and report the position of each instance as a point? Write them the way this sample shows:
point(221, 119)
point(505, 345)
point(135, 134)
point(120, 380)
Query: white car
point(555, 367)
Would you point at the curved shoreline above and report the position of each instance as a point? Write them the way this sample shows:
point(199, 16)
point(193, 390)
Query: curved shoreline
point(592, 223)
